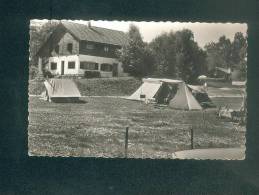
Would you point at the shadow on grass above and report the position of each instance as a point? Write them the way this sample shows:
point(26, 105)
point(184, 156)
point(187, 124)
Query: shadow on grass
point(70, 100)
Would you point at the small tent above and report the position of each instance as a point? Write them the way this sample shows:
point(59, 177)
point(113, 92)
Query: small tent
point(61, 90)
point(175, 93)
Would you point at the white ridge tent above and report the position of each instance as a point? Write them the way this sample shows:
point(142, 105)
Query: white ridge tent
point(175, 92)
point(59, 90)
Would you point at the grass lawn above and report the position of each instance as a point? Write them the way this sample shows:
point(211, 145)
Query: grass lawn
point(96, 128)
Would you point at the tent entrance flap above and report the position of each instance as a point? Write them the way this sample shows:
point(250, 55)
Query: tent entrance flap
point(166, 92)
point(184, 99)
point(201, 96)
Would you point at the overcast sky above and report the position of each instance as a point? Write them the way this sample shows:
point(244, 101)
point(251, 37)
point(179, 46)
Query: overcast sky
point(203, 32)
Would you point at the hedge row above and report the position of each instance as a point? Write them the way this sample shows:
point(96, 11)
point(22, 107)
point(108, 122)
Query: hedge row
point(96, 87)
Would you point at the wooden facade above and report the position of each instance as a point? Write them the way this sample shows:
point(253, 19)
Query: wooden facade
point(62, 47)
point(98, 49)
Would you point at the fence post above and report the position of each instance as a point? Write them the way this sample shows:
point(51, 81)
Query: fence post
point(192, 138)
point(203, 117)
point(126, 141)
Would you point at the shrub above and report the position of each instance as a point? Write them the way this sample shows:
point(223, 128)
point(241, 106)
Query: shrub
point(47, 74)
point(33, 72)
point(92, 74)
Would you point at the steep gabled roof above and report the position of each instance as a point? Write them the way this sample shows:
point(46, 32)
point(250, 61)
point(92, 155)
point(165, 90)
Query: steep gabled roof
point(86, 33)
point(96, 34)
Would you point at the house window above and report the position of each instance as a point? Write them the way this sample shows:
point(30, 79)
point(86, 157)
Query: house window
point(106, 48)
point(71, 65)
point(70, 47)
point(57, 49)
point(53, 66)
point(106, 67)
point(89, 46)
point(88, 65)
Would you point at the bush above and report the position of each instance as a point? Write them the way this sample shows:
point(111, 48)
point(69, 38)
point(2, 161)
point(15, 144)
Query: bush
point(108, 86)
point(33, 72)
point(92, 74)
point(47, 74)
point(36, 87)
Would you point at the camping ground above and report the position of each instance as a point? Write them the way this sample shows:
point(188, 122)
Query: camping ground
point(96, 127)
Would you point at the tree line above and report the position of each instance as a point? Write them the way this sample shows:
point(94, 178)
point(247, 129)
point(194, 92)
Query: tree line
point(177, 55)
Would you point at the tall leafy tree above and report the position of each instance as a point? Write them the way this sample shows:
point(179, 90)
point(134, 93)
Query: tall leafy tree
point(163, 49)
point(239, 52)
point(190, 58)
point(213, 59)
point(178, 55)
point(135, 56)
point(239, 47)
point(225, 51)
point(227, 54)
point(38, 35)
point(219, 53)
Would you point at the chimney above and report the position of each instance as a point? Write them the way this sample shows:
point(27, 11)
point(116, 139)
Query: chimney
point(89, 24)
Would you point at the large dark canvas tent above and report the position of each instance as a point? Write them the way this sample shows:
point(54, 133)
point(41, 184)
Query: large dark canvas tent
point(176, 93)
point(61, 90)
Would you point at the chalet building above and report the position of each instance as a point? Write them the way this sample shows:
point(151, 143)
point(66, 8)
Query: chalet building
point(77, 49)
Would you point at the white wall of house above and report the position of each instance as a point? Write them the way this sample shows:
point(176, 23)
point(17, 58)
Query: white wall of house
point(66, 59)
point(102, 60)
point(78, 58)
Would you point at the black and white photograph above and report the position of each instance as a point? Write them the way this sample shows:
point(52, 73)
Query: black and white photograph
point(142, 90)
